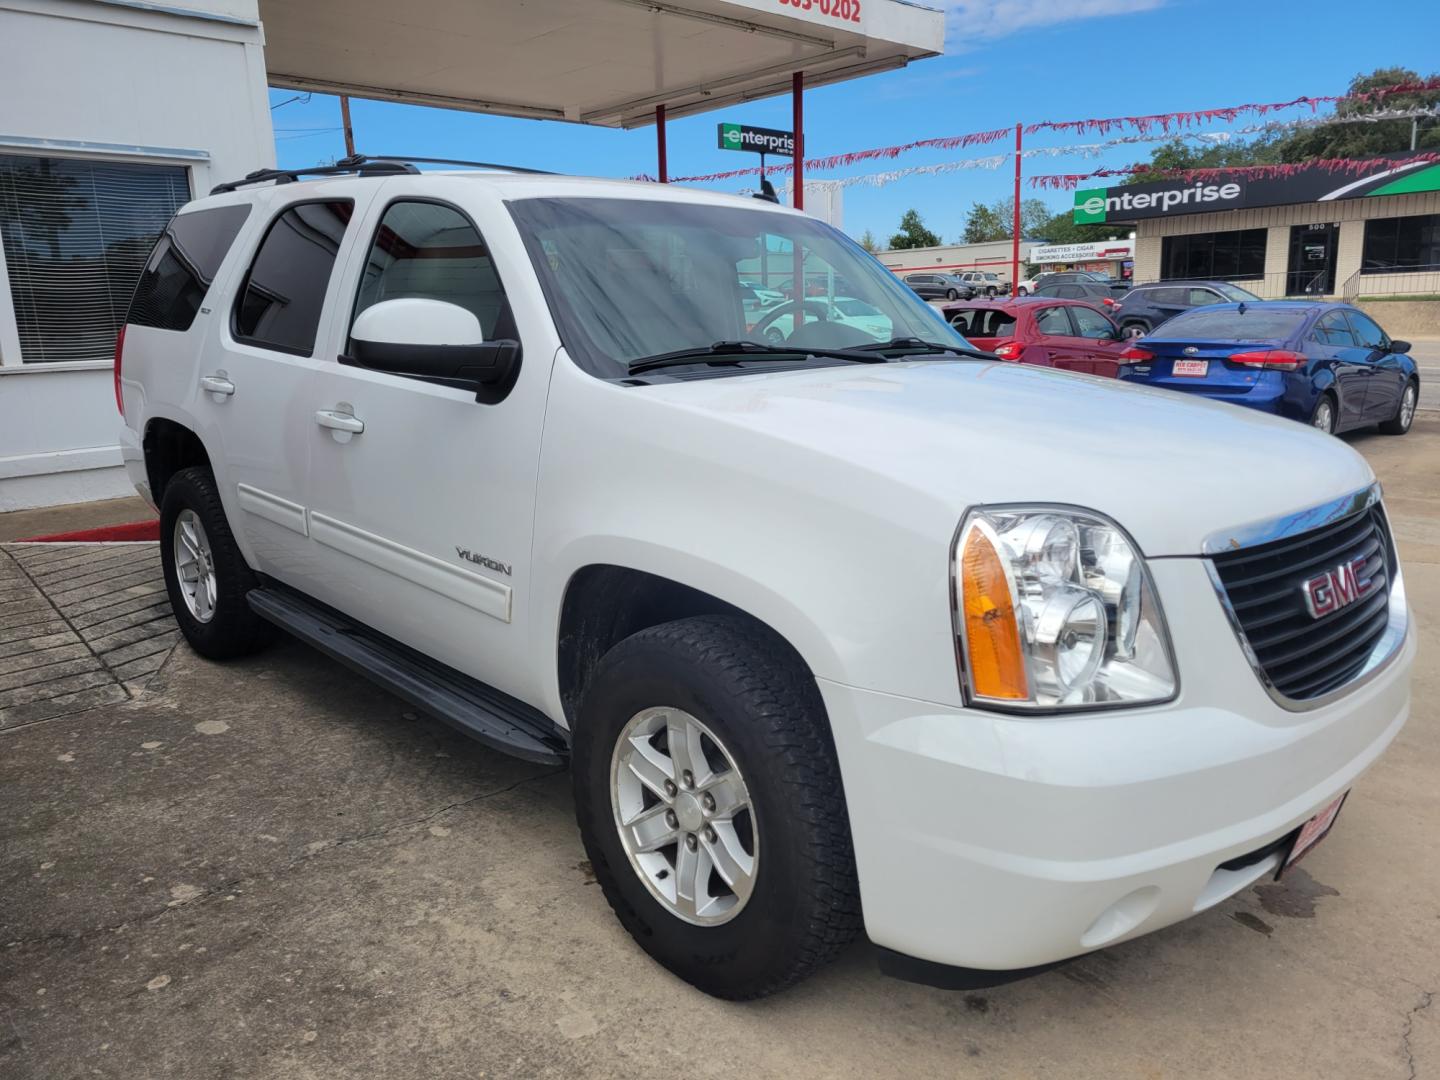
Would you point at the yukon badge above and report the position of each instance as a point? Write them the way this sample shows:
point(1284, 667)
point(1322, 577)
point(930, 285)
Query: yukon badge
point(1336, 588)
point(482, 560)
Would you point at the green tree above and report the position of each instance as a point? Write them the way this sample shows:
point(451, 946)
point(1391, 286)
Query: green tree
point(867, 241)
point(1365, 140)
point(1174, 157)
point(995, 221)
point(1060, 228)
point(913, 233)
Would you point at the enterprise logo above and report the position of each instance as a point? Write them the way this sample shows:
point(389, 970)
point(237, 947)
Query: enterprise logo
point(1096, 204)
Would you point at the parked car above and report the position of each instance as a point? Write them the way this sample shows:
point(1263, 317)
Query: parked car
point(831, 634)
point(1328, 365)
point(1065, 334)
point(763, 295)
point(1116, 286)
point(1146, 307)
point(985, 283)
point(939, 286)
point(1093, 292)
point(778, 323)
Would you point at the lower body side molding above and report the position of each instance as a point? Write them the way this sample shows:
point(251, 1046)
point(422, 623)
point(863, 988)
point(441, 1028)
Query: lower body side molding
point(480, 711)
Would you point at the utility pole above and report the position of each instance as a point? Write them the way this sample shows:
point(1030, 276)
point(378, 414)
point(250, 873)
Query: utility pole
point(345, 120)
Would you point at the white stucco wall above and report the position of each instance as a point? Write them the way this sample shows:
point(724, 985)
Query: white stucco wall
point(174, 83)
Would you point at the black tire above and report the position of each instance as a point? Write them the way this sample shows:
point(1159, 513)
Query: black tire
point(232, 629)
point(952, 295)
point(1131, 330)
point(744, 684)
point(1315, 414)
point(1022, 291)
point(1400, 423)
point(990, 291)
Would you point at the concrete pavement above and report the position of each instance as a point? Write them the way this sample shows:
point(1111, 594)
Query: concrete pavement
point(268, 869)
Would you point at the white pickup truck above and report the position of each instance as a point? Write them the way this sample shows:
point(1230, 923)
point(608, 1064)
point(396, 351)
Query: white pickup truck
point(1002, 664)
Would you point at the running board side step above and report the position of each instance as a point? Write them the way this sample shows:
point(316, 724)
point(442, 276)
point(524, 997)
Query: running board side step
point(477, 710)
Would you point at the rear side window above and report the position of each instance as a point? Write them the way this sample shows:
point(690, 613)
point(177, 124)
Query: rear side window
point(279, 307)
point(182, 265)
point(432, 251)
point(1053, 321)
point(1332, 329)
point(1167, 296)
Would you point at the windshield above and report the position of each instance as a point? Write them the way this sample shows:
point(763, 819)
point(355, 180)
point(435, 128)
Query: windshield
point(628, 279)
point(1232, 324)
point(1234, 292)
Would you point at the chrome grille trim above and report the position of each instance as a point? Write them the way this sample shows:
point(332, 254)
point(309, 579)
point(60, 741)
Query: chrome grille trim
point(1322, 522)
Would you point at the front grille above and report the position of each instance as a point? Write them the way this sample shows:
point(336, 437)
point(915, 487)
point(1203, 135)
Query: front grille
point(1305, 657)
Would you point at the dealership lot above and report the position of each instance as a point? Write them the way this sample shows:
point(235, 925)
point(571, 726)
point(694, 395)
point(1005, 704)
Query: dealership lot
point(268, 869)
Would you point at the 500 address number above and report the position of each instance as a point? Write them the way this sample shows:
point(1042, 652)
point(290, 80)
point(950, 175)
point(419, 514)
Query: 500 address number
point(844, 10)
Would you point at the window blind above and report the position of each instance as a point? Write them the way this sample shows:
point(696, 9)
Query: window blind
point(76, 236)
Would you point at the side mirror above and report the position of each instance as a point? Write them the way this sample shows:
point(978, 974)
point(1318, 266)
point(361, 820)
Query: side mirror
point(1399, 346)
point(431, 339)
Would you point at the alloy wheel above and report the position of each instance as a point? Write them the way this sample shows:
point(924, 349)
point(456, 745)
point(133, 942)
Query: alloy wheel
point(685, 817)
point(1407, 407)
point(1324, 416)
point(195, 566)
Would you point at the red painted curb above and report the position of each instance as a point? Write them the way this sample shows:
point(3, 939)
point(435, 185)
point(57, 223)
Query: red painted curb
point(134, 530)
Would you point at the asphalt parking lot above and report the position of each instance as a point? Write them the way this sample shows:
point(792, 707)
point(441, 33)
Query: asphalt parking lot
point(268, 869)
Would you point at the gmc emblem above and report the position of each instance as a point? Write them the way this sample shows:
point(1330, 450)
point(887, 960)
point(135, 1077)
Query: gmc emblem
point(1336, 588)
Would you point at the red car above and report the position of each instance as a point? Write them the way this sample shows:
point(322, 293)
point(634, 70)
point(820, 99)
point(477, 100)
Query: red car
point(1041, 330)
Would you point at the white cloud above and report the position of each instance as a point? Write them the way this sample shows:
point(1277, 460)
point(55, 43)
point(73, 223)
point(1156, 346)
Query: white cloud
point(976, 20)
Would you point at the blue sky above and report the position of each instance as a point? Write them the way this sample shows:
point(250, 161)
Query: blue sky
point(1006, 61)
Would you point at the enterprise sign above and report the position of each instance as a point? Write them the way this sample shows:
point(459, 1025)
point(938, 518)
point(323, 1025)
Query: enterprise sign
point(756, 140)
point(1165, 198)
point(1127, 203)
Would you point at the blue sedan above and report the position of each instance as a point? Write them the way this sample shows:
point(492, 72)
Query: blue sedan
point(1329, 365)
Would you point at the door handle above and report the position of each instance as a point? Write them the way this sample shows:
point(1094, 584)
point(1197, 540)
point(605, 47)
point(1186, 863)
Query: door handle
point(218, 385)
point(339, 421)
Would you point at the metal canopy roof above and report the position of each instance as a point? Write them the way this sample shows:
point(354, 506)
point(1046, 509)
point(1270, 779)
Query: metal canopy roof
point(607, 62)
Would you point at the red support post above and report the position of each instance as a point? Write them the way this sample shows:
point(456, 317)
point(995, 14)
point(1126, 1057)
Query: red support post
point(797, 198)
point(660, 144)
point(797, 99)
point(1015, 241)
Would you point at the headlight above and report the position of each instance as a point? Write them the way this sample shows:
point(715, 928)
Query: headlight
point(1054, 609)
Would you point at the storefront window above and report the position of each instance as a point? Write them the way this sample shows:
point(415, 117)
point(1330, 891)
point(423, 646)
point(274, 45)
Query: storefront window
point(76, 236)
point(1402, 244)
point(1222, 256)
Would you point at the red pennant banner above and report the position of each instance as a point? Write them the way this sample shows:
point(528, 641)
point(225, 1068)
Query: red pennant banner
point(1148, 124)
point(1065, 181)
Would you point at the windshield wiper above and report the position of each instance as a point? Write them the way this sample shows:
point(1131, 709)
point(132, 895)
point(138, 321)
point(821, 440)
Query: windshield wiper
point(733, 352)
point(896, 344)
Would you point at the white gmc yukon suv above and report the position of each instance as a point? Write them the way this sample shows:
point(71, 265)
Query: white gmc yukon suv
point(837, 627)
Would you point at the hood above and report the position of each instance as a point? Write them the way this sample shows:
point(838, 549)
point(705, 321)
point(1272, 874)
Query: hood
point(1168, 468)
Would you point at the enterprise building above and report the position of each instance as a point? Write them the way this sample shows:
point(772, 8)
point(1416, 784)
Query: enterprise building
point(1314, 232)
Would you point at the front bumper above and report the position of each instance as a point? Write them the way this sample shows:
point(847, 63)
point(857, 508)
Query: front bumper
point(991, 842)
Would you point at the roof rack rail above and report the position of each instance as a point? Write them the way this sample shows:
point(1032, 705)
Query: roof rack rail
point(362, 165)
point(459, 161)
point(359, 164)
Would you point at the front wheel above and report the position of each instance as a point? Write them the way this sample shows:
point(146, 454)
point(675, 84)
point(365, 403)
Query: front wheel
point(1131, 331)
point(205, 573)
point(1323, 418)
point(710, 804)
point(1022, 291)
point(1404, 416)
point(990, 291)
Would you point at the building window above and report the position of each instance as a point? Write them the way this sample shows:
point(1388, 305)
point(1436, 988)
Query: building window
point(1401, 244)
point(76, 236)
point(1222, 256)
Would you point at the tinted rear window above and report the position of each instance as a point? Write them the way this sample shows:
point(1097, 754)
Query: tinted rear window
point(279, 308)
point(182, 265)
point(983, 322)
point(1254, 324)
